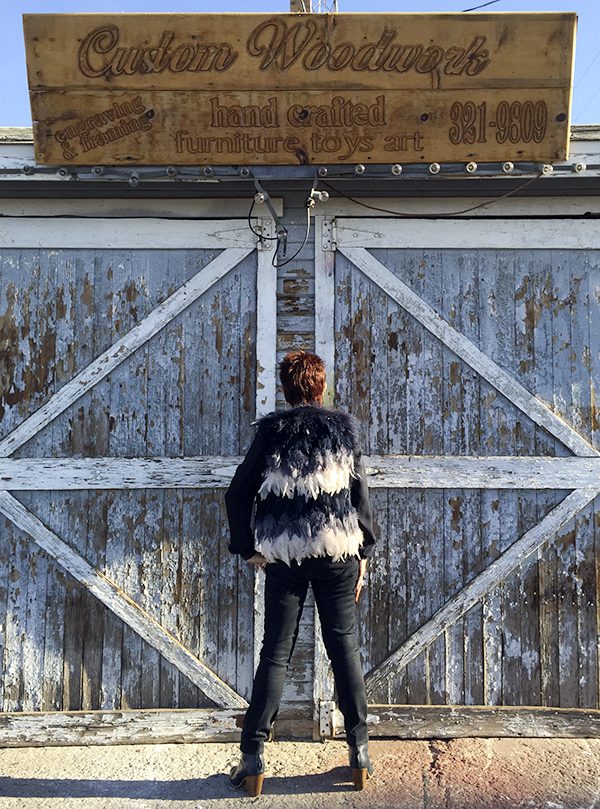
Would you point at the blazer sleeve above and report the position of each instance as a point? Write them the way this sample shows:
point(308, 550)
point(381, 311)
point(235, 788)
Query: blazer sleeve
point(240, 496)
point(359, 495)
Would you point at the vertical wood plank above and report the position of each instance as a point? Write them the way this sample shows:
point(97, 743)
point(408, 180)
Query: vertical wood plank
point(489, 403)
point(545, 500)
point(526, 306)
point(565, 541)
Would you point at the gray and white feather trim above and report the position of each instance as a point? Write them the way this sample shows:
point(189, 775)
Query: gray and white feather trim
point(330, 477)
point(337, 539)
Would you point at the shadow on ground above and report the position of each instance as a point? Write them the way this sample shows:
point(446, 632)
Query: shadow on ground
point(214, 787)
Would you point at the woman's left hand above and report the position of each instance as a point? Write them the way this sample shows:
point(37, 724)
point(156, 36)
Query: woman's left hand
point(362, 569)
point(258, 560)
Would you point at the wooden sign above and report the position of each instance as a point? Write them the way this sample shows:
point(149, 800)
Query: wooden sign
point(176, 89)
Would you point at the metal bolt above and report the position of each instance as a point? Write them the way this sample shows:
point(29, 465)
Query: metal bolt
point(208, 171)
point(323, 196)
point(28, 169)
point(97, 170)
point(359, 169)
point(396, 169)
point(134, 179)
point(508, 167)
point(434, 168)
point(322, 172)
point(171, 171)
point(547, 170)
point(244, 172)
point(579, 167)
point(259, 198)
point(63, 172)
point(471, 167)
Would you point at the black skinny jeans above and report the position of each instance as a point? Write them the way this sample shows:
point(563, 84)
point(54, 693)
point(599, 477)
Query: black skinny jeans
point(285, 591)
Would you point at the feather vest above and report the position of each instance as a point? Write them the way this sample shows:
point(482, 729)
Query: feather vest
point(304, 504)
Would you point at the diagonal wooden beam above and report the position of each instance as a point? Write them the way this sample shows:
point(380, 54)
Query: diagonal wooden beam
point(121, 604)
point(481, 585)
point(506, 384)
point(123, 348)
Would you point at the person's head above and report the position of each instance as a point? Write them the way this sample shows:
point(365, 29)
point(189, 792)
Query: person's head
point(302, 378)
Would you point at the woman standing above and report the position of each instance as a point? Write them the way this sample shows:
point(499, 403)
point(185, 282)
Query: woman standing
point(312, 525)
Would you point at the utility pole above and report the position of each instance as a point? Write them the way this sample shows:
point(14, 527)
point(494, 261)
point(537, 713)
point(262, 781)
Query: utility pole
point(319, 6)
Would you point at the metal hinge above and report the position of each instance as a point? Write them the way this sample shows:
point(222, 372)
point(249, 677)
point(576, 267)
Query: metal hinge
point(328, 234)
point(267, 231)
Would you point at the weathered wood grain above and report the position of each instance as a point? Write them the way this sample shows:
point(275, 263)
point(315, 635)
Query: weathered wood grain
point(516, 43)
point(451, 234)
point(480, 586)
point(465, 349)
point(122, 349)
point(454, 721)
point(253, 74)
point(136, 233)
point(117, 601)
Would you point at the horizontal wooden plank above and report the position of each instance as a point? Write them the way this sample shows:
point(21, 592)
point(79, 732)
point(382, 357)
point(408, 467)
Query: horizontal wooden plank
point(383, 471)
point(160, 726)
point(230, 208)
point(461, 721)
point(123, 348)
point(121, 604)
point(298, 52)
point(130, 233)
point(501, 234)
point(223, 128)
point(513, 206)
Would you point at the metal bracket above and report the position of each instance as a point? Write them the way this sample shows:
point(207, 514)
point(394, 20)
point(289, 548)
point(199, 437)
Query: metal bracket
point(267, 232)
point(282, 235)
point(331, 720)
point(326, 712)
point(329, 234)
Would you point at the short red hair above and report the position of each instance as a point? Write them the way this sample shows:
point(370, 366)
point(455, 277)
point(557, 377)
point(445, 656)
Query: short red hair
point(302, 377)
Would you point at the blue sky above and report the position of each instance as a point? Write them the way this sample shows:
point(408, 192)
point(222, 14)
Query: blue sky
point(14, 104)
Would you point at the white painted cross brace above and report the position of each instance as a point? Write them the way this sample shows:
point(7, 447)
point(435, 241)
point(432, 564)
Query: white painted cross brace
point(462, 602)
point(506, 384)
point(124, 607)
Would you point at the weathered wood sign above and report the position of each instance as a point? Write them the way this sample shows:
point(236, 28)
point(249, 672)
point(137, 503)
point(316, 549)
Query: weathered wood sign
point(312, 88)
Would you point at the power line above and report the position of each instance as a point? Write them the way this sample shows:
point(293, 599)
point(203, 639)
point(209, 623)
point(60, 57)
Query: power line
point(587, 69)
point(483, 5)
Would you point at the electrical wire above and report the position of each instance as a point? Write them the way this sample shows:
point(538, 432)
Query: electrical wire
point(451, 214)
point(483, 5)
point(255, 232)
point(275, 262)
point(587, 70)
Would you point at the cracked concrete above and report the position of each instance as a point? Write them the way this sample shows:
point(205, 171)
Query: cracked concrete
point(456, 774)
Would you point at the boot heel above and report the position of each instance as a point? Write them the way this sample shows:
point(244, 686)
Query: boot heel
point(254, 784)
point(360, 778)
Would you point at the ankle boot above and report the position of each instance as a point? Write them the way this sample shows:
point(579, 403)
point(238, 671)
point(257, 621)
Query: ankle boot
point(249, 773)
point(360, 763)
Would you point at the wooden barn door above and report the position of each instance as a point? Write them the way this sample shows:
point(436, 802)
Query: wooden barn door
point(136, 354)
point(470, 353)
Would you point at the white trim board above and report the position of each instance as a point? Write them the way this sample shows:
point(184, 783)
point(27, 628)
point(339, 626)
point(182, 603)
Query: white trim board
point(146, 207)
point(511, 206)
point(496, 234)
point(128, 234)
